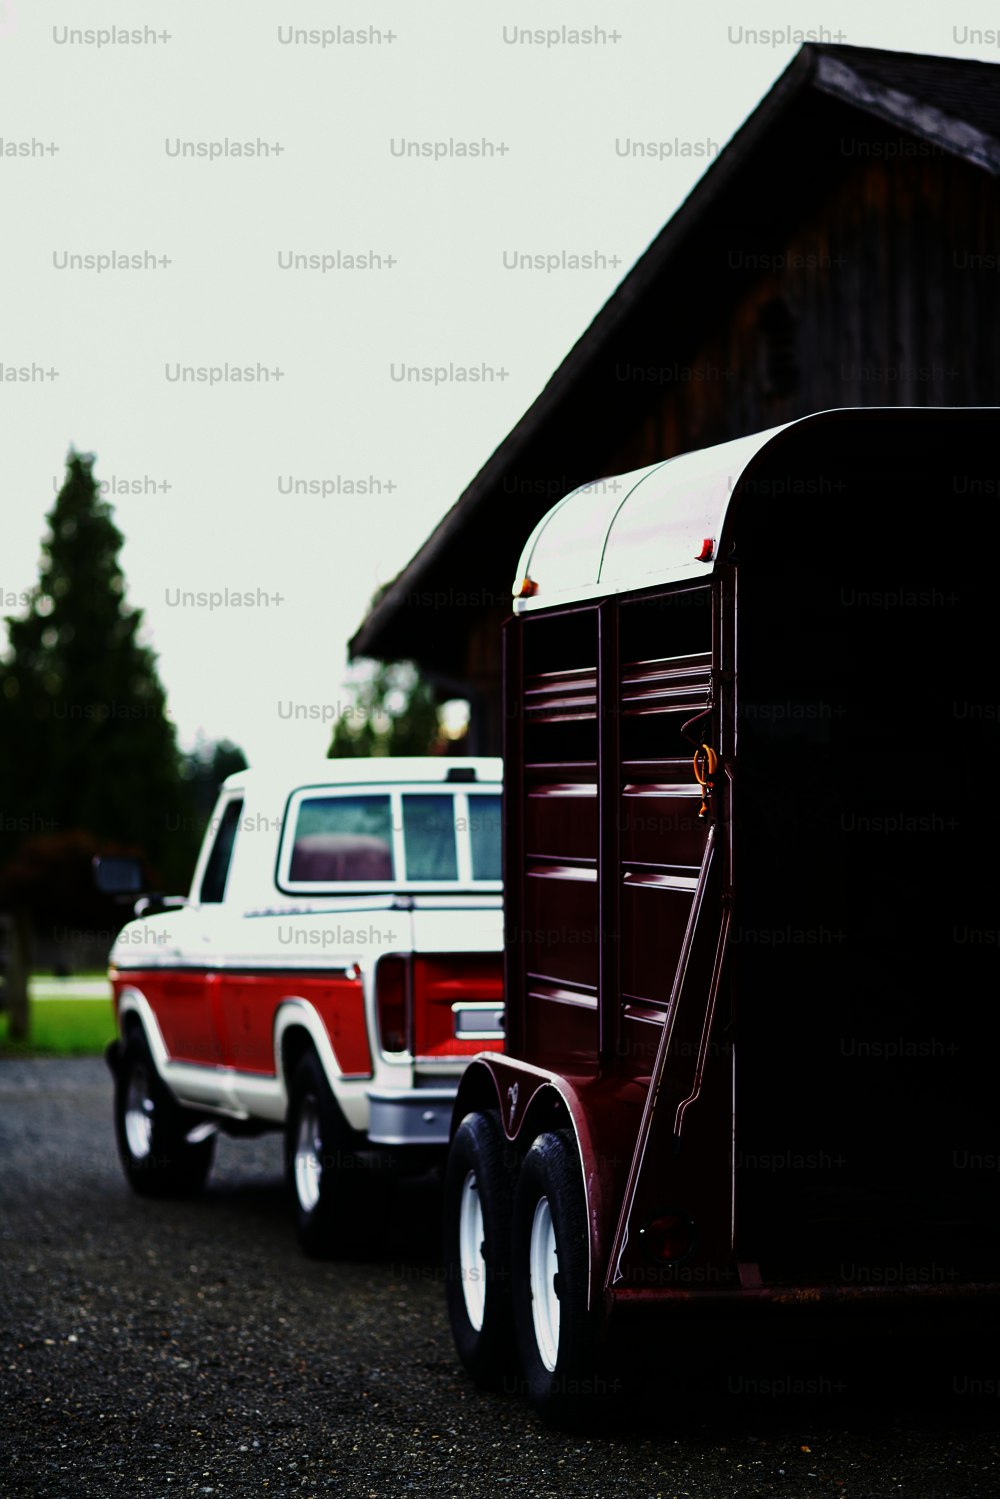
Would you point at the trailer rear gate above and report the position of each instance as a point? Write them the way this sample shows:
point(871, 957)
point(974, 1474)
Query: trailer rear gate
point(866, 827)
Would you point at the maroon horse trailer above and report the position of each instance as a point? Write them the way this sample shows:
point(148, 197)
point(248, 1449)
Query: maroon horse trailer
point(752, 908)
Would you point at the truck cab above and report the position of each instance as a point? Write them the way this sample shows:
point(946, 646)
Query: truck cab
point(335, 965)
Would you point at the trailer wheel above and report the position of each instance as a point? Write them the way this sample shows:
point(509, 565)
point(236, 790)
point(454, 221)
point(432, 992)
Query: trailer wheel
point(557, 1335)
point(151, 1128)
point(477, 1219)
point(338, 1201)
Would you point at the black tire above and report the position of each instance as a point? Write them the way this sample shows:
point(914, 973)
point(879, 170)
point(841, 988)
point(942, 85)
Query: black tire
point(151, 1128)
point(479, 1179)
point(338, 1201)
point(561, 1377)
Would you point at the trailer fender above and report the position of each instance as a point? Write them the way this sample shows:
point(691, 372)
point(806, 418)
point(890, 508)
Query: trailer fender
point(530, 1102)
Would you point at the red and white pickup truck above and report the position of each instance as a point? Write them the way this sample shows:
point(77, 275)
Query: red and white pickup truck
point(338, 960)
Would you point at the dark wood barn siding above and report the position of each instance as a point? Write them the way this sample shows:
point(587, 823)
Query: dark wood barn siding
point(891, 292)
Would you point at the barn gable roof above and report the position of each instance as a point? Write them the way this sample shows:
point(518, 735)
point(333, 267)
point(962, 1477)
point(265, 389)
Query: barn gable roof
point(953, 105)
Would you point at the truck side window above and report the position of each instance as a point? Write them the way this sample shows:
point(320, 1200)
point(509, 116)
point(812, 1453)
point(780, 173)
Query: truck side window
point(429, 834)
point(213, 883)
point(484, 835)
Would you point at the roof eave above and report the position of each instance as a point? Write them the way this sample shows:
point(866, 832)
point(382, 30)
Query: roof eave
point(837, 79)
point(815, 66)
point(796, 77)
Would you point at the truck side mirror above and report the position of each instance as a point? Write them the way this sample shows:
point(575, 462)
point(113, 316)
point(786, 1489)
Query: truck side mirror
point(117, 876)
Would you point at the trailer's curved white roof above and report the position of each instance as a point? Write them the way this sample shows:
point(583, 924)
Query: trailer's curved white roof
point(641, 528)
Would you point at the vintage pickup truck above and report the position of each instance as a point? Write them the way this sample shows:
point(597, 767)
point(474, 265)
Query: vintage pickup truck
point(337, 961)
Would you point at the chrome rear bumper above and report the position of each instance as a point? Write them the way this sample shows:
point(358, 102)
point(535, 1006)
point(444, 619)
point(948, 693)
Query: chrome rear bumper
point(412, 1116)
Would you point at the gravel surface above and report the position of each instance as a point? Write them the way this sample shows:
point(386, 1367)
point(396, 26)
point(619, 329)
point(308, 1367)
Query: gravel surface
point(189, 1349)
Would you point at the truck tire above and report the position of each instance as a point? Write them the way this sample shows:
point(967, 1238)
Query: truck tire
point(478, 1203)
point(557, 1335)
point(338, 1201)
point(151, 1128)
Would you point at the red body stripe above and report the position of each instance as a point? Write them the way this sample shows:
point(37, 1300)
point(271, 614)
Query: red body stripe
point(227, 1019)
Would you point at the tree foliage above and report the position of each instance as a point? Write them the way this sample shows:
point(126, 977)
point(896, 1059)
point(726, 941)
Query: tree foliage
point(395, 712)
point(88, 753)
point(205, 768)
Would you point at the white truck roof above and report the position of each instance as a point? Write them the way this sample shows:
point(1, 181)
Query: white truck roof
point(348, 771)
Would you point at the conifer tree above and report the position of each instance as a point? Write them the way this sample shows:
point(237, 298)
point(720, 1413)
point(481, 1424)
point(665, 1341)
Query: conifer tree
point(88, 753)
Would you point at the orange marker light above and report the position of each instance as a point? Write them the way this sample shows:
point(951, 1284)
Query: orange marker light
point(525, 588)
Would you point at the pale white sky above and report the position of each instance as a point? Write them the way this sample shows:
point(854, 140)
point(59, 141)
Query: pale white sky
point(119, 183)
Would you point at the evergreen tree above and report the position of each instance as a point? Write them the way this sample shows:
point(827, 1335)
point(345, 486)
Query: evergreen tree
point(205, 768)
point(87, 748)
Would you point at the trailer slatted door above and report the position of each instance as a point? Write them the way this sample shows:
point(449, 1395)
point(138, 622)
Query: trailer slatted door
point(612, 838)
point(674, 872)
point(665, 696)
point(609, 862)
point(555, 939)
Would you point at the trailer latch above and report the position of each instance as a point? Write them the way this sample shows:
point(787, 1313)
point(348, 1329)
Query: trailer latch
point(705, 761)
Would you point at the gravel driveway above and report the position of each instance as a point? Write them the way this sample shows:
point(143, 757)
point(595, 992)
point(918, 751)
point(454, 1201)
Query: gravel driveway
point(187, 1348)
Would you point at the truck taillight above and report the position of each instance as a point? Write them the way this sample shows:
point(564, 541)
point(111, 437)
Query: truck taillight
point(390, 1003)
point(457, 1004)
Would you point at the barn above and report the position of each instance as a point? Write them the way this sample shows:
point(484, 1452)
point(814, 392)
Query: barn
point(842, 250)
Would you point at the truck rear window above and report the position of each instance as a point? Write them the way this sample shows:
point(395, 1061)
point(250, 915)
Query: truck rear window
point(484, 836)
point(339, 838)
point(390, 838)
point(429, 837)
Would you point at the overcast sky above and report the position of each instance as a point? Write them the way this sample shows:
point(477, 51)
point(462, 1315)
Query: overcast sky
point(119, 148)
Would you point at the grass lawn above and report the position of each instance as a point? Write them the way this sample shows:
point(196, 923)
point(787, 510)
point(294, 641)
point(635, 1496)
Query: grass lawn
point(67, 1026)
point(86, 973)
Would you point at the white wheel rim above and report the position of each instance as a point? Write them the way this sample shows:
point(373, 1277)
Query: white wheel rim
point(471, 1262)
point(139, 1114)
point(308, 1165)
point(543, 1263)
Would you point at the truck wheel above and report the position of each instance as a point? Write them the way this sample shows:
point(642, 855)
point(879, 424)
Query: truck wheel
point(557, 1335)
point(477, 1220)
point(151, 1129)
point(337, 1200)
